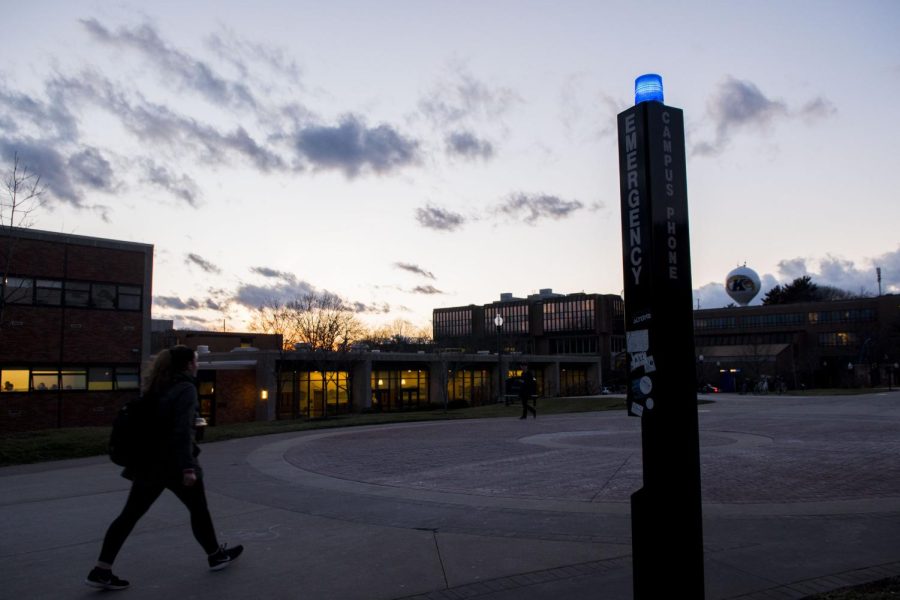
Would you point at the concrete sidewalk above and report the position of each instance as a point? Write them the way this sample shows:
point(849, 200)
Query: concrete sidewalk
point(800, 495)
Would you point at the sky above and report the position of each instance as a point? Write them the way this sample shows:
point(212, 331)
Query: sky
point(412, 155)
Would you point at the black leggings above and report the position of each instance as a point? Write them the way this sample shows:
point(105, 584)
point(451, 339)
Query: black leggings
point(143, 494)
point(527, 407)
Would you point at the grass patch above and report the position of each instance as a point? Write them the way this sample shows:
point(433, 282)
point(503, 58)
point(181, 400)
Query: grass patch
point(885, 589)
point(78, 442)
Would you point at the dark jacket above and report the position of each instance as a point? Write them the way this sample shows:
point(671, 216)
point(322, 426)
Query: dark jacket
point(528, 387)
point(173, 447)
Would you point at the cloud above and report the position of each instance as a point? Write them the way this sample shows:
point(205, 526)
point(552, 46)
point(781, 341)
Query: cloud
point(466, 145)
point(24, 115)
point(175, 302)
point(463, 97)
point(352, 147)
point(273, 273)
point(830, 270)
point(817, 108)
point(88, 167)
point(181, 186)
point(426, 289)
point(416, 269)
point(286, 290)
point(793, 268)
point(204, 264)
point(374, 308)
point(174, 66)
point(845, 274)
point(440, 219)
point(741, 105)
point(236, 51)
point(45, 161)
point(151, 122)
point(586, 115)
point(531, 208)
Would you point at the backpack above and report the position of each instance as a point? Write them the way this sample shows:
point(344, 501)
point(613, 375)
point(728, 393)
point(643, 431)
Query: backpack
point(132, 432)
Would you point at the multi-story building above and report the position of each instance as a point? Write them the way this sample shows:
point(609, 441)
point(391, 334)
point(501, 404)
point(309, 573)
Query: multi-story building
point(542, 324)
point(818, 344)
point(74, 327)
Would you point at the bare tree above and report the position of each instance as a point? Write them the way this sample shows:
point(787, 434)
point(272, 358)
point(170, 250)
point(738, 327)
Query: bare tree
point(274, 317)
point(321, 320)
point(399, 335)
point(22, 195)
point(325, 322)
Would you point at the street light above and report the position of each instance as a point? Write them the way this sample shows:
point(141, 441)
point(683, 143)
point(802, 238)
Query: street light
point(700, 376)
point(498, 322)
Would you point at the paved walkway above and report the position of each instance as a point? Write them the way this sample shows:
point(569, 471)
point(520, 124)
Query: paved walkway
point(800, 495)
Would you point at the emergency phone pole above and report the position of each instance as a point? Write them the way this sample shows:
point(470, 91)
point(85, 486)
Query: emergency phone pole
point(666, 513)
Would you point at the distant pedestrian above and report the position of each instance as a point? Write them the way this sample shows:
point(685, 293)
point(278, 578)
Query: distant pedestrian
point(170, 462)
point(526, 391)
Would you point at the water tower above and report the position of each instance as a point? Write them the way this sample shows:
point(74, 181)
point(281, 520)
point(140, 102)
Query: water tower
point(742, 284)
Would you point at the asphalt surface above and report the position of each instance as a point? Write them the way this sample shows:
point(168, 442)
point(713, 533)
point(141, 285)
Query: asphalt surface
point(801, 495)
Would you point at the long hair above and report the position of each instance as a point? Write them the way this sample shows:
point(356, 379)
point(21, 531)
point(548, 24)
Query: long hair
point(168, 364)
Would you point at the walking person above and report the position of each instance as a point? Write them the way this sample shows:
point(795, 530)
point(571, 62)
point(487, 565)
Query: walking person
point(526, 391)
point(170, 462)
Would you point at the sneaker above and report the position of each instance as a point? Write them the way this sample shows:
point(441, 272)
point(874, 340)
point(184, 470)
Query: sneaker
point(223, 556)
point(105, 580)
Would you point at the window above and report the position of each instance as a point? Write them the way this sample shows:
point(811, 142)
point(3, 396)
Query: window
point(127, 378)
point(69, 378)
point(100, 378)
point(73, 379)
point(48, 292)
point(129, 297)
point(453, 322)
point(18, 290)
point(569, 315)
point(839, 338)
point(44, 379)
point(77, 293)
point(103, 295)
point(14, 380)
point(515, 318)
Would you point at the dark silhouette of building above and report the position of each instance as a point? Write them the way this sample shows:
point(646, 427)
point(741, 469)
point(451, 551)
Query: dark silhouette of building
point(814, 344)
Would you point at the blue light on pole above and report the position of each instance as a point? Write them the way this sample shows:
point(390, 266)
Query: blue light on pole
point(648, 88)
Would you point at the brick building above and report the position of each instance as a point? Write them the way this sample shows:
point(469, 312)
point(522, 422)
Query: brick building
point(845, 343)
point(74, 327)
point(544, 324)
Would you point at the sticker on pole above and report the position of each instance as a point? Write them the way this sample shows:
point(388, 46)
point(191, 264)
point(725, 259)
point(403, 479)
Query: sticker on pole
point(638, 340)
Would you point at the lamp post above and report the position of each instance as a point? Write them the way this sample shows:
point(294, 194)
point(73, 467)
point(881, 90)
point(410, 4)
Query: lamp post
point(850, 374)
point(498, 322)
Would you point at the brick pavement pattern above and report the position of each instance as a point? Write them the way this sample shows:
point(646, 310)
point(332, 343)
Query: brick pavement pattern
point(801, 495)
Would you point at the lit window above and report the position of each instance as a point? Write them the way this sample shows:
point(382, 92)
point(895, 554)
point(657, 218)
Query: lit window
point(42, 380)
point(127, 378)
point(74, 379)
point(14, 380)
point(100, 378)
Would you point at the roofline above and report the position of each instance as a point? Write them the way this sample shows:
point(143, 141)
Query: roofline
point(71, 238)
